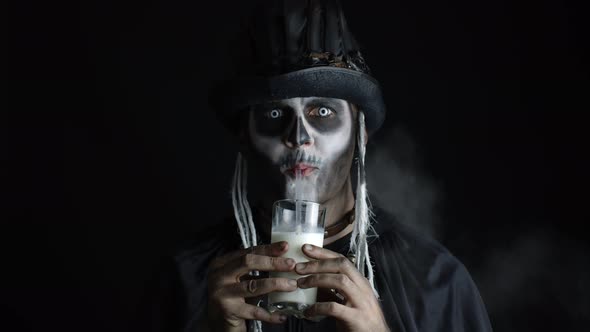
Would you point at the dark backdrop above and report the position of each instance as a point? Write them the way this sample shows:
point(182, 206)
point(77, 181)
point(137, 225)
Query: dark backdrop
point(110, 155)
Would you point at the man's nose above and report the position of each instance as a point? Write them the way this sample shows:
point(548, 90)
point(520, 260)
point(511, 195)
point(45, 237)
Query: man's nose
point(298, 135)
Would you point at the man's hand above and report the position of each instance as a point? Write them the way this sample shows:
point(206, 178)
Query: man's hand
point(361, 310)
point(228, 309)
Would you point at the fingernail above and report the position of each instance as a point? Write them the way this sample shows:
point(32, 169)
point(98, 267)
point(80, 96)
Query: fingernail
point(300, 266)
point(292, 282)
point(282, 318)
point(307, 247)
point(301, 281)
point(290, 261)
point(283, 245)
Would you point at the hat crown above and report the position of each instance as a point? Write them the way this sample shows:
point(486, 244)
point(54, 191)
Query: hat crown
point(290, 35)
point(297, 48)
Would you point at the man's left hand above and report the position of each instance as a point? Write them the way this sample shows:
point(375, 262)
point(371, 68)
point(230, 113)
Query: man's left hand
point(360, 310)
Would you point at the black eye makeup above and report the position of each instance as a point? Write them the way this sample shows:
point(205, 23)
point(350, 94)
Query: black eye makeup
point(324, 117)
point(274, 113)
point(270, 119)
point(321, 112)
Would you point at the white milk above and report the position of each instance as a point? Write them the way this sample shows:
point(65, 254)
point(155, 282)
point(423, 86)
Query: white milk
point(296, 241)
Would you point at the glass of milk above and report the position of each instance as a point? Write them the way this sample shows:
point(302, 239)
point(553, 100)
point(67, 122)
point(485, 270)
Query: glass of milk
point(297, 222)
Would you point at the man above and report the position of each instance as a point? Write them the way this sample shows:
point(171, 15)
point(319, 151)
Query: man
point(304, 101)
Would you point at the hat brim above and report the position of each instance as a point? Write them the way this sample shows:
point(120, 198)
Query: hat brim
point(230, 98)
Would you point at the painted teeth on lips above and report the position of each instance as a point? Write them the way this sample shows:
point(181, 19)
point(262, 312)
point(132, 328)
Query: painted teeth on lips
point(303, 168)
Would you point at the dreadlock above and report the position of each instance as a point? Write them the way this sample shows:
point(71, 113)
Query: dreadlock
point(358, 241)
point(242, 211)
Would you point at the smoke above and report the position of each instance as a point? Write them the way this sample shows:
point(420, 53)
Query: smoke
point(540, 271)
point(524, 275)
point(300, 188)
point(397, 184)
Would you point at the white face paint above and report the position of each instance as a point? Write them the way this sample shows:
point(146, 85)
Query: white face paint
point(312, 135)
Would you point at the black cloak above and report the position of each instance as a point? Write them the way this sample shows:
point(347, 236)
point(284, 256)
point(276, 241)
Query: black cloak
point(422, 286)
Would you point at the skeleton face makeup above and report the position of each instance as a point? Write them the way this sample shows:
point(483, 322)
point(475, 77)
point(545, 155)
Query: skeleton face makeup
point(313, 136)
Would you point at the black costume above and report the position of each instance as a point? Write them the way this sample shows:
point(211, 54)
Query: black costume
point(422, 286)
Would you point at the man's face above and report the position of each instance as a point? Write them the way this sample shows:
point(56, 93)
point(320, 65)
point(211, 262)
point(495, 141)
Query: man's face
point(311, 136)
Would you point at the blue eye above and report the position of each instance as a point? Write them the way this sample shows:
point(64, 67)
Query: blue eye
point(324, 112)
point(275, 113)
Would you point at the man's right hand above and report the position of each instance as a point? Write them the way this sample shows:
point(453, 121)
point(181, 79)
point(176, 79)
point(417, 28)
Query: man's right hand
point(228, 309)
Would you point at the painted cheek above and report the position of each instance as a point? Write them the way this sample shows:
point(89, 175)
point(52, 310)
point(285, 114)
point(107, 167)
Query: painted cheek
point(331, 147)
point(334, 143)
point(271, 147)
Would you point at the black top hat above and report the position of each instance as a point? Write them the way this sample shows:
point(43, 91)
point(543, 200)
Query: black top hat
point(298, 48)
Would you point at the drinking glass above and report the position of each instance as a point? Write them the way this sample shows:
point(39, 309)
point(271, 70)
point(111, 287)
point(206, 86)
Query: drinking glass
point(298, 222)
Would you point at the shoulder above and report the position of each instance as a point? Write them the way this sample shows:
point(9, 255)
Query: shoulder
point(191, 257)
point(198, 248)
point(419, 254)
point(422, 251)
point(189, 262)
point(420, 273)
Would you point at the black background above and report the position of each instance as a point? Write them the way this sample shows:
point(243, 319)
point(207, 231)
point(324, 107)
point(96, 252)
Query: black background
point(110, 155)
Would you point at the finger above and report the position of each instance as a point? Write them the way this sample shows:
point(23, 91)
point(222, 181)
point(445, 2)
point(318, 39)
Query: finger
point(319, 252)
point(252, 288)
point(274, 249)
point(327, 295)
point(345, 286)
point(251, 262)
point(333, 265)
point(256, 299)
point(331, 309)
point(252, 312)
point(246, 277)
